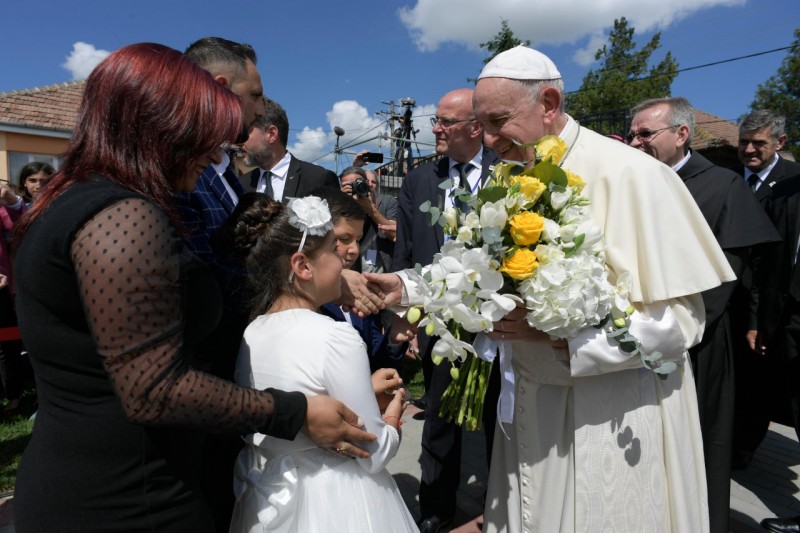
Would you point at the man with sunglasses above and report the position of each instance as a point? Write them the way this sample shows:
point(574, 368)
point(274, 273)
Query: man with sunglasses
point(663, 128)
point(459, 138)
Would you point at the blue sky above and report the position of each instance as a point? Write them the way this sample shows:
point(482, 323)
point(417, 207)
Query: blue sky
point(334, 63)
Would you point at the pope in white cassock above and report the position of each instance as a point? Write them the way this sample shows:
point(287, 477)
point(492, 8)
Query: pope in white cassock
point(599, 442)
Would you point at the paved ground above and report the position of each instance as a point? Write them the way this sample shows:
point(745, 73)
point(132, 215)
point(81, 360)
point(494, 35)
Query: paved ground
point(768, 487)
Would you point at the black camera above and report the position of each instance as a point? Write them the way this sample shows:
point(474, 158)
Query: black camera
point(361, 187)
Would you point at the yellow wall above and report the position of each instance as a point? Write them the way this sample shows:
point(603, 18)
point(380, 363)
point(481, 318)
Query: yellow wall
point(33, 144)
point(30, 144)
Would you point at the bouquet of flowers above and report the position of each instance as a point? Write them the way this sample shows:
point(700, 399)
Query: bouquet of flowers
point(526, 237)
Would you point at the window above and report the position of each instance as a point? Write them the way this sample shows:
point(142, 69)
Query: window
point(17, 160)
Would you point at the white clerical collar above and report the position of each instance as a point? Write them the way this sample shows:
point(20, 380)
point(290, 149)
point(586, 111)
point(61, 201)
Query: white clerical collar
point(679, 164)
point(568, 127)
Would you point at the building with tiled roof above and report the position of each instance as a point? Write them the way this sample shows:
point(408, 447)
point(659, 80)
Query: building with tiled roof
point(36, 124)
point(716, 138)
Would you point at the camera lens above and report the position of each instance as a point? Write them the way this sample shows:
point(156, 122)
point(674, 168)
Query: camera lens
point(361, 187)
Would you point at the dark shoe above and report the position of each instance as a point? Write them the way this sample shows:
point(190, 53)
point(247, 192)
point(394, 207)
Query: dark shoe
point(432, 524)
point(419, 403)
point(782, 525)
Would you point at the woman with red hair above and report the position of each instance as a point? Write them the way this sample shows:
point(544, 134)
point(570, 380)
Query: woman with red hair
point(111, 305)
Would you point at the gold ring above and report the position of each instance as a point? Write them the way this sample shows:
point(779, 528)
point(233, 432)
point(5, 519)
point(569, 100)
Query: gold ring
point(363, 299)
point(343, 447)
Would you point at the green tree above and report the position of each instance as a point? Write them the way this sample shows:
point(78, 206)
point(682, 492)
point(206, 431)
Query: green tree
point(502, 41)
point(623, 80)
point(781, 94)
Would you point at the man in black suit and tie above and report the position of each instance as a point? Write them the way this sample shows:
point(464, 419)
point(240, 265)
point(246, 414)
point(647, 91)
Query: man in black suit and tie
point(777, 337)
point(459, 137)
point(761, 135)
point(280, 175)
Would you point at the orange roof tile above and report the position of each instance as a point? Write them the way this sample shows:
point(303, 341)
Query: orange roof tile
point(712, 131)
point(52, 107)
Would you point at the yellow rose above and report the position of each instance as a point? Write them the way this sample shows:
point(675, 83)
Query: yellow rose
point(531, 187)
point(574, 181)
point(552, 147)
point(521, 265)
point(526, 227)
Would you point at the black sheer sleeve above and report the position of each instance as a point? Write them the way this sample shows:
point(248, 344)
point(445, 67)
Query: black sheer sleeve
point(127, 260)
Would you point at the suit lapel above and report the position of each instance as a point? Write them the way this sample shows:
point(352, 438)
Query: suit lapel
point(436, 195)
point(292, 179)
point(218, 187)
point(490, 159)
point(792, 225)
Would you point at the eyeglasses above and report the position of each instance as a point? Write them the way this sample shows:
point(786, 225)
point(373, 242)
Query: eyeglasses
point(645, 135)
point(448, 122)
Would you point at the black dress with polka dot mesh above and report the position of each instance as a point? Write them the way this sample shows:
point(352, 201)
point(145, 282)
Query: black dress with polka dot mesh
point(110, 304)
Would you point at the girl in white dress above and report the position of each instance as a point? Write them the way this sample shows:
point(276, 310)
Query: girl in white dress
point(296, 486)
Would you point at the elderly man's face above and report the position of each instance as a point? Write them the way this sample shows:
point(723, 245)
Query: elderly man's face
point(652, 133)
point(508, 117)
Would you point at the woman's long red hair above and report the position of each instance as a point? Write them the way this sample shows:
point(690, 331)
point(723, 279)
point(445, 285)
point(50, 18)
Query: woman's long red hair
point(147, 113)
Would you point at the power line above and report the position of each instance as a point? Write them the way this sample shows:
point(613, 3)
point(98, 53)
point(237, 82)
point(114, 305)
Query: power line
point(696, 67)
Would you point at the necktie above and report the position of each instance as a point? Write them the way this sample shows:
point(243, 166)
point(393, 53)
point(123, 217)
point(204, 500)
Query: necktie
point(753, 181)
point(463, 170)
point(268, 184)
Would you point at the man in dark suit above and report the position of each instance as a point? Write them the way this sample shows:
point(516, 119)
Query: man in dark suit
point(761, 135)
point(663, 128)
point(459, 137)
point(280, 175)
point(777, 336)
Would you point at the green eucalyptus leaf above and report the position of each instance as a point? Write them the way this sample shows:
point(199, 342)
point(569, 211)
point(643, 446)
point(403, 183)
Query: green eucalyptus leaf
point(548, 172)
point(426, 206)
point(492, 194)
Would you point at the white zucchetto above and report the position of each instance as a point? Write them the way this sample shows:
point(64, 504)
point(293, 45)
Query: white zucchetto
point(521, 63)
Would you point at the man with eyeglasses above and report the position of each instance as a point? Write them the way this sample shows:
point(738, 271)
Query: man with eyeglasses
point(459, 138)
point(663, 128)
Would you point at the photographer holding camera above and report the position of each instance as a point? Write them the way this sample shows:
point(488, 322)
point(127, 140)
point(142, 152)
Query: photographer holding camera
point(377, 244)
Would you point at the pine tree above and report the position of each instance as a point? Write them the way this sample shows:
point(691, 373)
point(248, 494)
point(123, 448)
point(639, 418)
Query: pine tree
point(502, 41)
point(623, 80)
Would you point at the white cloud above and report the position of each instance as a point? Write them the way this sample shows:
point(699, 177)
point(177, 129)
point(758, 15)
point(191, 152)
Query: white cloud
point(363, 131)
point(585, 56)
point(82, 60)
point(432, 23)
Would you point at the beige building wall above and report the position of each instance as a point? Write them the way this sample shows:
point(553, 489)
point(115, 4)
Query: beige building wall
point(27, 144)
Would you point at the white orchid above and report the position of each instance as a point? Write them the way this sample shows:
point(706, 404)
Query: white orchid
point(493, 215)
